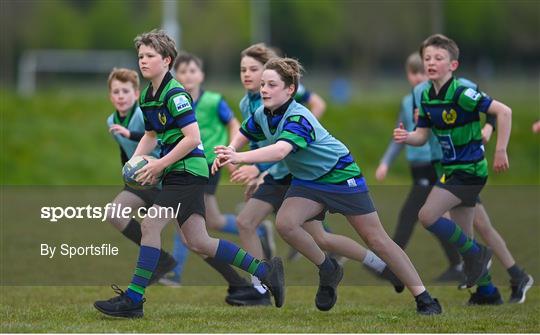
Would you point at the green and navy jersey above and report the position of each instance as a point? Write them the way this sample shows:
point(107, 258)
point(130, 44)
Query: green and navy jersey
point(318, 160)
point(167, 113)
point(436, 152)
point(454, 116)
point(213, 114)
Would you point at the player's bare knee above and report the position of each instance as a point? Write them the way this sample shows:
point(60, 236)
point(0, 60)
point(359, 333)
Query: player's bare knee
point(197, 245)
point(322, 241)
point(425, 217)
point(212, 223)
point(284, 227)
point(378, 243)
point(244, 224)
point(148, 229)
point(481, 227)
point(117, 223)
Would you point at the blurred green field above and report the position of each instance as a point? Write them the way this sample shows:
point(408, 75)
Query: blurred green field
point(59, 137)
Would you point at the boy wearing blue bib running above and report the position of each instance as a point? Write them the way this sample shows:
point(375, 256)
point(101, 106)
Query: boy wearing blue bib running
point(325, 177)
point(268, 193)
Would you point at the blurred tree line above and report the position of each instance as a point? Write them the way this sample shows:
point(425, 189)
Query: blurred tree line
point(361, 37)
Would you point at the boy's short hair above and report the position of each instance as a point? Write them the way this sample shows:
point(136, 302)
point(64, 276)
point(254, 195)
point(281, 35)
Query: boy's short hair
point(186, 58)
point(259, 52)
point(124, 75)
point(414, 63)
point(288, 69)
point(159, 41)
point(443, 42)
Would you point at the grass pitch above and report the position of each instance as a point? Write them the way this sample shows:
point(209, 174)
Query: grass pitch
point(373, 309)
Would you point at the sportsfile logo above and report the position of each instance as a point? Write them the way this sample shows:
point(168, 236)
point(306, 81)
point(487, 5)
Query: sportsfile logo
point(109, 211)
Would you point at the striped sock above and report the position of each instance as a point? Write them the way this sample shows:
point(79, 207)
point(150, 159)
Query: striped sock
point(148, 260)
point(229, 253)
point(446, 229)
point(485, 285)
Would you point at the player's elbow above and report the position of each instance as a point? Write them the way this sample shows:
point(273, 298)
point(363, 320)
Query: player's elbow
point(507, 111)
point(423, 140)
point(194, 141)
point(282, 152)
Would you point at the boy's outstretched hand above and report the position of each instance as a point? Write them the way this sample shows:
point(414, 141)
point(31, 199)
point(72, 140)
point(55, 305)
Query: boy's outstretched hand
point(225, 155)
point(400, 134)
point(120, 130)
point(245, 174)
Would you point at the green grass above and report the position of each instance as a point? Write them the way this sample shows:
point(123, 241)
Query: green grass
point(202, 309)
point(56, 295)
point(66, 143)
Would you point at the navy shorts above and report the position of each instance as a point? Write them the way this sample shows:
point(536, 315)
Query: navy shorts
point(185, 189)
point(273, 190)
point(148, 196)
point(465, 186)
point(358, 203)
point(213, 182)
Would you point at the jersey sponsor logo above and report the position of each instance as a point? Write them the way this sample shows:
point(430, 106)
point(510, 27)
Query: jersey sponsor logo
point(162, 118)
point(181, 103)
point(449, 117)
point(472, 94)
point(447, 146)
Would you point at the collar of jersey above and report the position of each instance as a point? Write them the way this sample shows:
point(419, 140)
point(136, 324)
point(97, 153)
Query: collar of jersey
point(280, 110)
point(168, 77)
point(442, 91)
point(124, 121)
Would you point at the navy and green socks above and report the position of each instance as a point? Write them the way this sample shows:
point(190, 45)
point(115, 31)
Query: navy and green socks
point(485, 285)
point(229, 253)
point(447, 230)
point(146, 265)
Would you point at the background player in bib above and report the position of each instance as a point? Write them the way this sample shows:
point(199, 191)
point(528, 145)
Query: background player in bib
point(170, 120)
point(126, 125)
point(325, 177)
point(452, 110)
